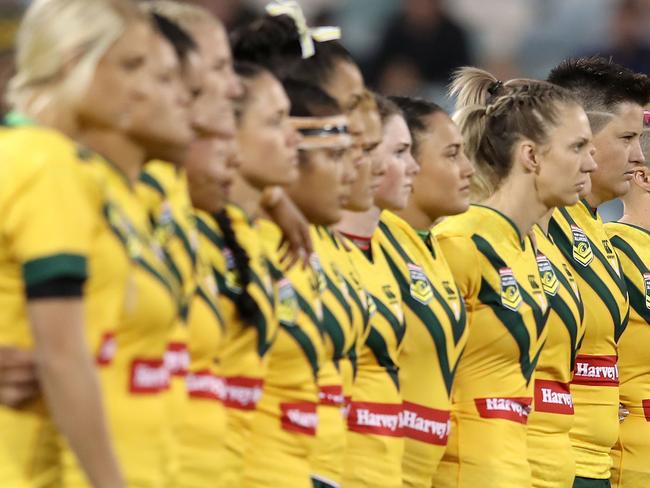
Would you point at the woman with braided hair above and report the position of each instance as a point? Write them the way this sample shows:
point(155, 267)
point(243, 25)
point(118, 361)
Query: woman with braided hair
point(550, 454)
point(525, 141)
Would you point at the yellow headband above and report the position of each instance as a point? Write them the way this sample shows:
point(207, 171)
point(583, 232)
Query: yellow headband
point(307, 34)
point(322, 132)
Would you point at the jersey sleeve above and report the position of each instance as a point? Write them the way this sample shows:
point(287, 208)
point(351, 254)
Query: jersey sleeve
point(462, 257)
point(49, 224)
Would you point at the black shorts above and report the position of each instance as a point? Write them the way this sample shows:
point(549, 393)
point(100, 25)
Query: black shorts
point(590, 483)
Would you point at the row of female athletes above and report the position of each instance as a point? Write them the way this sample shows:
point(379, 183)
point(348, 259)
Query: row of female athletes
point(218, 277)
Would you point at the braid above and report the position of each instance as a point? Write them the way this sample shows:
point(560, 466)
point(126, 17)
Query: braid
point(246, 305)
point(525, 111)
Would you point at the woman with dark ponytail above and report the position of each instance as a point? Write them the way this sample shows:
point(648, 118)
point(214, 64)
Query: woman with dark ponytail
point(435, 315)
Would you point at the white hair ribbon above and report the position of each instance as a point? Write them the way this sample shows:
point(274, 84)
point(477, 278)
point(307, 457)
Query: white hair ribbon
point(307, 35)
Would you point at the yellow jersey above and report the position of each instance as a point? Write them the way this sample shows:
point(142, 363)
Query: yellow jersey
point(338, 298)
point(432, 347)
point(549, 447)
point(284, 424)
point(375, 442)
point(580, 234)
point(163, 189)
point(202, 428)
point(496, 270)
point(632, 451)
point(46, 235)
point(241, 363)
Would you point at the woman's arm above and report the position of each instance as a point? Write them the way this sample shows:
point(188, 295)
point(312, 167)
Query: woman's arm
point(68, 378)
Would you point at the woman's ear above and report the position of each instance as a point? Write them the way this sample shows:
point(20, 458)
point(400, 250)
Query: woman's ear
point(526, 154)
point(642, 178)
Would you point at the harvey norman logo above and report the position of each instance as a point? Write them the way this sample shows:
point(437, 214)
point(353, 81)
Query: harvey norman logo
point(514, 409)
point(595, 371)
point(394, 420)
point(553, 397)
point(299, 417)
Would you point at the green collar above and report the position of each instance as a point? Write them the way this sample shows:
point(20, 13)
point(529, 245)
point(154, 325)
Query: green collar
point(16, 119)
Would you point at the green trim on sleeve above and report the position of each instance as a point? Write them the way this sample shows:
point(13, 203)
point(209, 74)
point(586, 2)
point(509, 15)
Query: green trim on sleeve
point(44, 269)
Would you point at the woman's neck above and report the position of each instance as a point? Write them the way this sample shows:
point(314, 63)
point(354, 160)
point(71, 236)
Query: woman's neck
point(122, 151)
point(637, 213)
point(416, 217)
point(545, 221)
point(245, 195)
point(519, 203)
point(361, 224)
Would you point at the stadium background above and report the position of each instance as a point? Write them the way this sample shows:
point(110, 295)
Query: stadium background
point(411, 46)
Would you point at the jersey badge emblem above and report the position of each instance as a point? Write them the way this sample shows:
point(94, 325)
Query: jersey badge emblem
point(319, 281)
point(420, 286)
point(550, 282)
point(287, 303)
point(582, 252)
point(510, 294)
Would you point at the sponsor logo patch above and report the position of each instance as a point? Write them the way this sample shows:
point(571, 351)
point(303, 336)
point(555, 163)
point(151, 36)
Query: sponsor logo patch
point(177, 359)
point(595, 371)
point(646, 285)
point(425, 424)
point(204, 384)
point(553, 397)
point(107, 349)
point(148, 376)
point(331, 395)
point(514, 409)
point(420, 285)
point(376, 418)
point(510, 294)
point(242, 393)
point(300, 417)
point(582, 252)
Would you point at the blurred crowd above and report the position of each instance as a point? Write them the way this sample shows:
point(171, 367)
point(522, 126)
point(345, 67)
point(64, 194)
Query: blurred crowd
point(412, 46)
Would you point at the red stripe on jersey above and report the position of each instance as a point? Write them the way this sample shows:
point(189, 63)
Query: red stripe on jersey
point(107, 349)
point(204, 384)
point(148, 376)
point(514, 409)
point(375, 418)
point(595, 371)
point(646, 409)
point(331, 395)
point(177, 359)
point(553, 397)
point(242, 393)
point(300, 417)
point(425, 424)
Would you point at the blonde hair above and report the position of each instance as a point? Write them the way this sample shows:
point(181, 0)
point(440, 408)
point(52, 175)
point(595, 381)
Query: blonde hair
point(55, 35)
point(493, 116)
point(184, 14)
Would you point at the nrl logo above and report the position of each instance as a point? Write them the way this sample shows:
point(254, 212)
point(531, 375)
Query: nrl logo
point(582, 251)
point(420, 286)
point(550, 283)
point(287, 309)
point(510, 294)
point(319, 283)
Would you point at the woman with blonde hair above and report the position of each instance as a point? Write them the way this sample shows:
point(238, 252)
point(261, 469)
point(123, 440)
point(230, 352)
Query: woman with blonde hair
point(69, 55)
point(525, 141)
point(550, 453)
